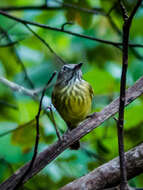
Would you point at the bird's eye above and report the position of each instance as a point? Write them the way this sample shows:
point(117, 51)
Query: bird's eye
point(64, 69)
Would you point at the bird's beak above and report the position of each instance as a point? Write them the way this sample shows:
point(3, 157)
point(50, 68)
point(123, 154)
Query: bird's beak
point(78, 66)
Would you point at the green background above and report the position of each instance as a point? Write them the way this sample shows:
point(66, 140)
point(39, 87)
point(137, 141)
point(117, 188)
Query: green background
point(102, 69)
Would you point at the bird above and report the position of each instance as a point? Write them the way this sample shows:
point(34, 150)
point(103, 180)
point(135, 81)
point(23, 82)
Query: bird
point(72, 97)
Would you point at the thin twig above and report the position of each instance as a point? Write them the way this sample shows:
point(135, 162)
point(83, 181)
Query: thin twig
point(18, 88)
point(95, 10)
point(54, 123)
point(91, 11)
point(111, 9)
point(19, 60)
point(117, 30)
point(58, 58)
point(17, 57)
point(37, 136)
point(66, 23)
point(136, 53)
point(120, 124)
point(114, 26)
point(31, 7)
point(116, 44)
point(25, 91)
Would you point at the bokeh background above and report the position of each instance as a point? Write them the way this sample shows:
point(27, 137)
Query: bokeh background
point(102, 69)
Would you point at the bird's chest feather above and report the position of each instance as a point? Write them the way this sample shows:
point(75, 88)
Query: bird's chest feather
point(73, 102)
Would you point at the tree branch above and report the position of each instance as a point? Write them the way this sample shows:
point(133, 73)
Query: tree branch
point(120, 123)
point(15, 87)
point(95, 10)
point(117, 30)
point(31, 7)
point(37, 135)
point(17, 57)
point(116, 44)
point(84, 128)
point(58, 58)
point(19, 61)
point(54, 123)
point(108, 175)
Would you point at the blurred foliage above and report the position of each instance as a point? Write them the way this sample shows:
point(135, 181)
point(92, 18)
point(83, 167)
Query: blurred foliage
point(102, 68)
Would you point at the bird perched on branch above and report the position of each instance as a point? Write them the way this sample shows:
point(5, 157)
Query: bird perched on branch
point(72, 97)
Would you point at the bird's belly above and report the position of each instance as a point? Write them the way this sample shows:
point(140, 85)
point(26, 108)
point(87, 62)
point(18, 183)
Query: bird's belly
point(75, 108)
point(73, 102)
point(78, 106)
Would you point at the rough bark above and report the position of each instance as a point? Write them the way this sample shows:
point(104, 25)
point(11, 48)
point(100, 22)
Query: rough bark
point(108, 175)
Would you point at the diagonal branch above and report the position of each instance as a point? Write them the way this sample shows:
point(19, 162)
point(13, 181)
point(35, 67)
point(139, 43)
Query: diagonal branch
point(65, 6)
point(108, 175)
point(18, 88)
point(58, 58)
point(116, 44)
point(84, 128)
point(17, 57)
point(95, 10)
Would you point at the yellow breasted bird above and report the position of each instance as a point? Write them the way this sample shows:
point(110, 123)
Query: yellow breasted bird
point(72, 97)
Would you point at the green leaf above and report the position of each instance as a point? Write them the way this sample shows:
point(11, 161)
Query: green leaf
point(28, 109)
point(133, 115)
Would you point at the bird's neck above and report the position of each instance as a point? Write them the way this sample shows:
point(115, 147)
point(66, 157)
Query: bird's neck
point(69, 83)
point(74, 81)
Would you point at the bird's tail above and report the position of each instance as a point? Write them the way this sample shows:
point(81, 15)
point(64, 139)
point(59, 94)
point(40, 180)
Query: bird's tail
point(75, 145)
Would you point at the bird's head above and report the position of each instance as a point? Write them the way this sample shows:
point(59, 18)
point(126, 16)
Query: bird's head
point(69, 74)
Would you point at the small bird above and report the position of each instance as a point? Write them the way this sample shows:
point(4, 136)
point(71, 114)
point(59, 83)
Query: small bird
point(72, 97)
